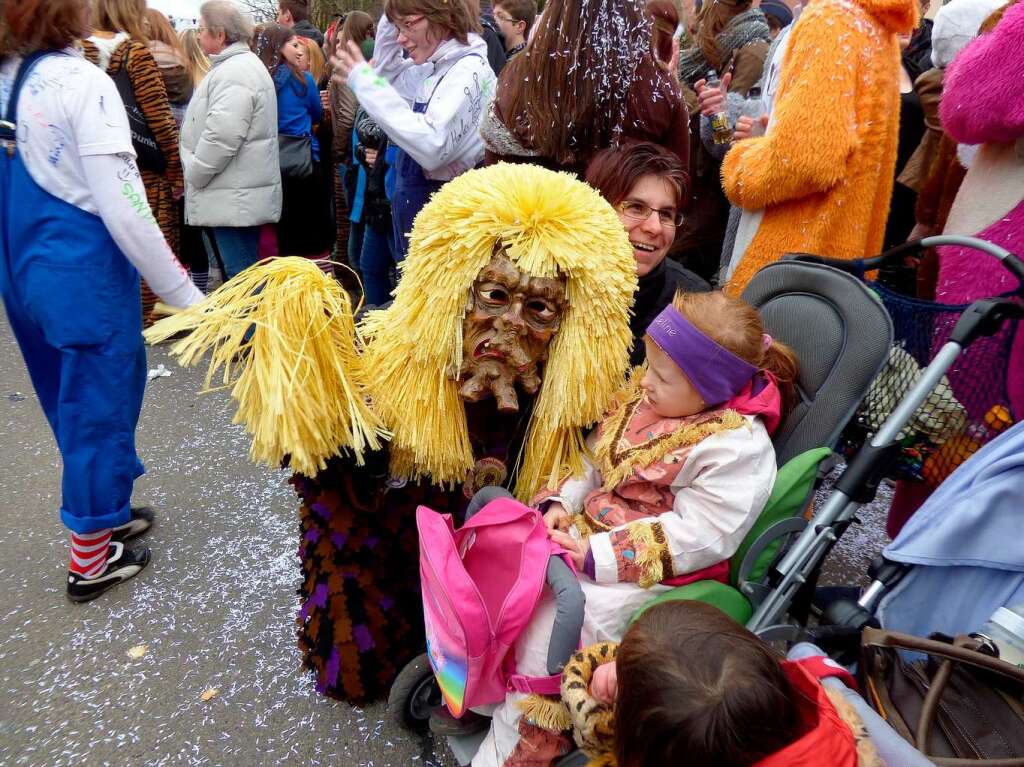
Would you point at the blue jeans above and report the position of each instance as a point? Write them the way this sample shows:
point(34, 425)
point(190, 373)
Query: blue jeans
point(375, 264)
point(235, 247)
point(355, 243)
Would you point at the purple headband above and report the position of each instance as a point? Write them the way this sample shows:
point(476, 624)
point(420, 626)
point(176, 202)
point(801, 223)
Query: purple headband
point(715, 372)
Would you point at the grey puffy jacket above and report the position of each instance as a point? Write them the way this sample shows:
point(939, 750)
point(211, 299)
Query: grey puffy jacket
point(229, 144)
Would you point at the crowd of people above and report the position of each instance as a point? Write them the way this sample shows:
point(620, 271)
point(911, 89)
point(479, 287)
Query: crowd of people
point(413, 158)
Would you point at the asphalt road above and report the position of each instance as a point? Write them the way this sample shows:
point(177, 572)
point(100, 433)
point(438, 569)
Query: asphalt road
point(214, 610)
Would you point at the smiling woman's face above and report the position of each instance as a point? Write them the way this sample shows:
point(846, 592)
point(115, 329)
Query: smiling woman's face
point(649, 237)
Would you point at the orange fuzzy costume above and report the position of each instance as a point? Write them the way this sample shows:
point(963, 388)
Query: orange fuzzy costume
point(823, 174)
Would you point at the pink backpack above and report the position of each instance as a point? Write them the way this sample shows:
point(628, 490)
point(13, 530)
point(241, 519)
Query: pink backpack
point(481, 584)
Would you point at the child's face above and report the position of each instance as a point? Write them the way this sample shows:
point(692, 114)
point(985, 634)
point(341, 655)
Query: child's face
point(668, 390)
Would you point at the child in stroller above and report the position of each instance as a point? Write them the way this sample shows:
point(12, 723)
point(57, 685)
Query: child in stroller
point(683, 467)
point(688, 685)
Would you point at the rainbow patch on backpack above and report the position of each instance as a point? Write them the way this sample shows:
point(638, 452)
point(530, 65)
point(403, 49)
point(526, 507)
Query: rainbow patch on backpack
point(451, 677)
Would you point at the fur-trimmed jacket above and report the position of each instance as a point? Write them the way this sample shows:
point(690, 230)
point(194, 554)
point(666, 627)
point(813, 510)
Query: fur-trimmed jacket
point(824, 172)
point(666, 497)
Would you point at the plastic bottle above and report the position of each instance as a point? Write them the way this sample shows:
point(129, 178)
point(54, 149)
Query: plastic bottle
point(754, 108)
point(1005, 630)
point(721, 131)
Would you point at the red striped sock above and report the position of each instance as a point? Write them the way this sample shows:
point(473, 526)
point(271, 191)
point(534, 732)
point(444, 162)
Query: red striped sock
point(89, 553)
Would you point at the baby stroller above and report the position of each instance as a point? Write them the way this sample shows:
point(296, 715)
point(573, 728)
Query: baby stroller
point(842, 336)
point(858, 484)
point(956, 562)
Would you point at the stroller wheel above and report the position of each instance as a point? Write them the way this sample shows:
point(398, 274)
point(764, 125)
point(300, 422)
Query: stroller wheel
point(414, 695)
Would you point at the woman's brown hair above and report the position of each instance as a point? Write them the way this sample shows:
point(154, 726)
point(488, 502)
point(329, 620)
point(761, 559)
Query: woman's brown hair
point(122, 16)
point(696, 688)
point(711, 20)
point(734, 324)
point(358, 27)
point(666, 20)
point(566, 95)
point(448, 18)
point(267, 44)
point(614, 172)
point(34, 25)
point(160, 29)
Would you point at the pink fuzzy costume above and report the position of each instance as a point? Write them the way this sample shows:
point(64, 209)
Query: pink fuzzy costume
point(983, 103)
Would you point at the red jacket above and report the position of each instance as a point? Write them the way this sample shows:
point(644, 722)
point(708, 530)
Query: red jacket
point(827, 740)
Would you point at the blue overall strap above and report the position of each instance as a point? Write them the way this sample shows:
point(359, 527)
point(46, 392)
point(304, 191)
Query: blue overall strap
point(9, 125)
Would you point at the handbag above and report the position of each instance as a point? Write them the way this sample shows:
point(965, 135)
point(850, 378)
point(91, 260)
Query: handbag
point(147, 151)
point(958, 706)
point(296, 155)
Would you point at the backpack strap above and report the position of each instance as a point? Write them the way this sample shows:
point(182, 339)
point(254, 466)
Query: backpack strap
point(9, 124)
point(537, 685)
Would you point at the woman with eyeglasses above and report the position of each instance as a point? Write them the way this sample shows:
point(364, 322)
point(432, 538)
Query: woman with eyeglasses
point(429, 101)
point(647, 185)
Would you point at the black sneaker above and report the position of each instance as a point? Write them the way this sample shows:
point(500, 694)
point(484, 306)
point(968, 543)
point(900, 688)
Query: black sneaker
point(443, 723)
point(122, 564)
point(140, 522)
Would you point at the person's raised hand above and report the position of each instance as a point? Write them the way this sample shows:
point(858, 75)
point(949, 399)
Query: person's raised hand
point(347, 57)
point(712, 100)
point(745, 127)
point(371, 157)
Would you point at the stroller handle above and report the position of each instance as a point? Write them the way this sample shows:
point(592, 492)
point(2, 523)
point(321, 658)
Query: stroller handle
point(858, 266)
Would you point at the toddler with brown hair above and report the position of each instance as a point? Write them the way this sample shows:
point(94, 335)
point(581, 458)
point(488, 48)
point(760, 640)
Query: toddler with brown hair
point(688, 685)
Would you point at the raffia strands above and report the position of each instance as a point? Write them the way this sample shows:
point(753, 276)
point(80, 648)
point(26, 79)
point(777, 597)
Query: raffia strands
point(298, 380)
point(552, 225)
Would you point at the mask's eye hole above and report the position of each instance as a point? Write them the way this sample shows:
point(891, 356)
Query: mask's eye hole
point(541, 310)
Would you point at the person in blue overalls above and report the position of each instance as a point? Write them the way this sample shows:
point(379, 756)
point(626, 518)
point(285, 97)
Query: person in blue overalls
point(429, 101)
point(75, 233)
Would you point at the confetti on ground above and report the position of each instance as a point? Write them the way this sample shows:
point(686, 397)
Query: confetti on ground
point(209, 694)
point(137, 652)
point(216, 607)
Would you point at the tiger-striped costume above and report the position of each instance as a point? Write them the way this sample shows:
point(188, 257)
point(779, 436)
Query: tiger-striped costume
point(151, 96)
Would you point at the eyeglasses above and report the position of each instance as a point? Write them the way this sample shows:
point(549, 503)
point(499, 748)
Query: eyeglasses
point(506, 19)
point(638, 211)
point(405, 27)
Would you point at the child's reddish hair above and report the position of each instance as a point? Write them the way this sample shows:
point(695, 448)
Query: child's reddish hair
point(736, 325)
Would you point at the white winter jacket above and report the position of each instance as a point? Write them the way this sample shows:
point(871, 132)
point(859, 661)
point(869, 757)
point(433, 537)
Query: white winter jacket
point(459, 85)
point(229, 144)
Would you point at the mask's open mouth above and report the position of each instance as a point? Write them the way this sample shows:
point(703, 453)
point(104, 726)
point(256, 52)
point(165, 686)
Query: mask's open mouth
point(484, 350)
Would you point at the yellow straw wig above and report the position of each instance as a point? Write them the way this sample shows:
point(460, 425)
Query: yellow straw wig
point(282, 336)
point(551, 226)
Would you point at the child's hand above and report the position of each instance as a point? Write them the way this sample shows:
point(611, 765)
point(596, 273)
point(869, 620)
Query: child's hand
point(557, 518)
point(577, 550)
point(605, 683)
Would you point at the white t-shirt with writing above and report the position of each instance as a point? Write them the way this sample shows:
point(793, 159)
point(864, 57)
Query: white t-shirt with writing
point(75, 143)
point(68, 109)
